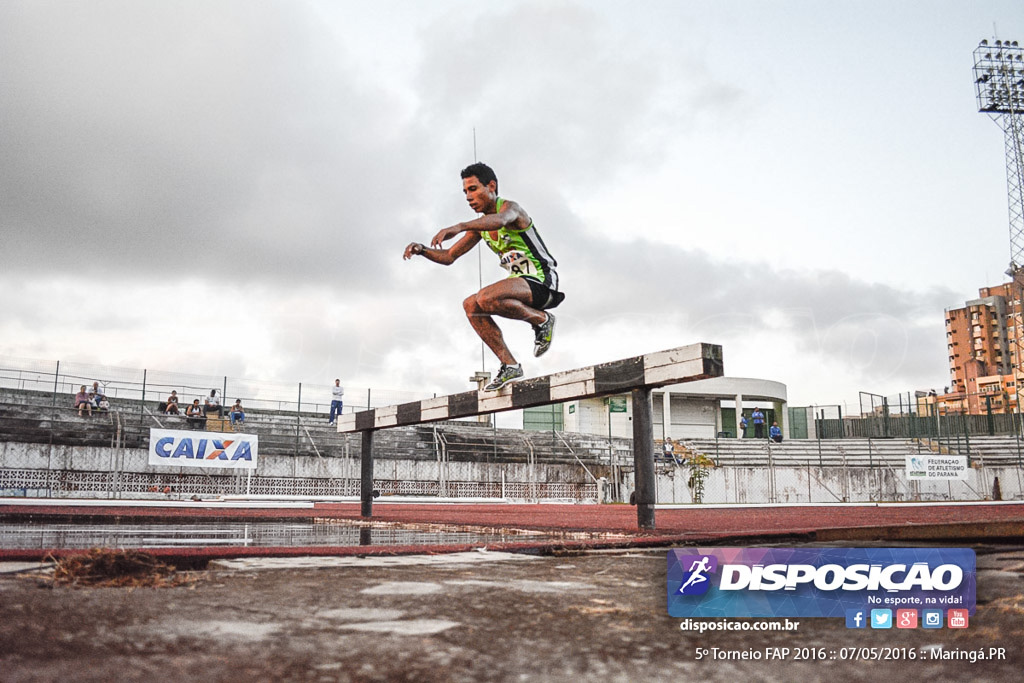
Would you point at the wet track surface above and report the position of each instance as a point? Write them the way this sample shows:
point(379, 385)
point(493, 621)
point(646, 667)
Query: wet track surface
point(279, 534)
point(472, 616)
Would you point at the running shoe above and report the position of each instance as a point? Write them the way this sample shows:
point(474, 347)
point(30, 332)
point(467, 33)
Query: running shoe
point(542, 336)
point(508, 373)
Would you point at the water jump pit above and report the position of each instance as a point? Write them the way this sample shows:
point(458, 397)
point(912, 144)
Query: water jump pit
point(192, 533)
point(37, 539)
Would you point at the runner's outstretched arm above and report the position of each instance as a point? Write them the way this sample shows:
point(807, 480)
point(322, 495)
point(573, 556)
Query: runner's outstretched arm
point(511, 215)
point(445, 257)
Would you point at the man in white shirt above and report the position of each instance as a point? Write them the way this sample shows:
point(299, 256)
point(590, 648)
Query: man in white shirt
point(337, 393)
point(212, 406)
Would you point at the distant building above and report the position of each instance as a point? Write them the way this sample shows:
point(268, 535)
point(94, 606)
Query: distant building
point(984, 366)
point(702, 409)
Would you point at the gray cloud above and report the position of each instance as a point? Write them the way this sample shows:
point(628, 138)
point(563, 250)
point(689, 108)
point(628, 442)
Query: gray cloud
point(590, 102)
point(238, 146)
point(189, 137)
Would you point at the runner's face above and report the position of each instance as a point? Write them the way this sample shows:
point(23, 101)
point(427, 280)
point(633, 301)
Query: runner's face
point(480, 197)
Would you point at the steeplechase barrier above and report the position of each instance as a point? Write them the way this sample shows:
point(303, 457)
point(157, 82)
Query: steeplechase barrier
point(638, 376)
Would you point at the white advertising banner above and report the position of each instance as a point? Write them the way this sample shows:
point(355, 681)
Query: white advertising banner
point(186, 448)
point(937, 467)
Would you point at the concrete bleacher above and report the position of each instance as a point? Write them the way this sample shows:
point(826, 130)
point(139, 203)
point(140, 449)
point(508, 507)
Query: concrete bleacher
point(892, 453)
point(1003, 450)
point(34, 417)
point(56, 425)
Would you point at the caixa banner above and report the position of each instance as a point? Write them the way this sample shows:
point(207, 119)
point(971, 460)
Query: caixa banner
point(817, 582)
point(169, 447)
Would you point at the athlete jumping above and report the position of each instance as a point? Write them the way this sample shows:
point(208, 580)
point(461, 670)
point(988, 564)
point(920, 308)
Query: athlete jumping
point(697, 570)
point(532, 283)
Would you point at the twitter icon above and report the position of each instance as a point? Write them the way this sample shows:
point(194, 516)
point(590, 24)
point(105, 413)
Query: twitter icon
point(881, 618)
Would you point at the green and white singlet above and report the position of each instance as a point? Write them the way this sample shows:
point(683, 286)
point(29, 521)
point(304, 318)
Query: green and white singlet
point(523, 253)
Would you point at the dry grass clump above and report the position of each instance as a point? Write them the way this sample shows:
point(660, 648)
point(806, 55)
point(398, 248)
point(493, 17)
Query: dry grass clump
point(117, 568)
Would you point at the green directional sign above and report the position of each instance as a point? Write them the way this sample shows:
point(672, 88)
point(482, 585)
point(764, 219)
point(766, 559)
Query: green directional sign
point(617, 404)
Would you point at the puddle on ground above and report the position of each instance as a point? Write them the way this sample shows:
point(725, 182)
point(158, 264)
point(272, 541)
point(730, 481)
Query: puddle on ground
point(319, 532)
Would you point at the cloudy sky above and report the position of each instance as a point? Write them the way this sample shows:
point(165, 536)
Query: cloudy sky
point(226, 188)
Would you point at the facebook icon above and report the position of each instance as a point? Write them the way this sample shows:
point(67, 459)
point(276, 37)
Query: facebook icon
point(855, 618)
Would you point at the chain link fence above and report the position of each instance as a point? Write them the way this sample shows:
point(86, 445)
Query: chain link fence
point(134, 390)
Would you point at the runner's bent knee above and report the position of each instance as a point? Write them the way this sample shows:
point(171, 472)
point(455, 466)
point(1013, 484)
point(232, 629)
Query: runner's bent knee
point(471, 305)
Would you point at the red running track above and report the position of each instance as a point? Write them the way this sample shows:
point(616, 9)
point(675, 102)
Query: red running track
point(616, 524)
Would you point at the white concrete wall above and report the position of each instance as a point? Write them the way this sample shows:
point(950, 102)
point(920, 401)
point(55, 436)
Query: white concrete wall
point(832, 485)
point(40, 458)
point(693, 418)
point(723, 484)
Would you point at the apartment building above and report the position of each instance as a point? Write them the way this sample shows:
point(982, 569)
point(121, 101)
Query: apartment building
point(981, 338)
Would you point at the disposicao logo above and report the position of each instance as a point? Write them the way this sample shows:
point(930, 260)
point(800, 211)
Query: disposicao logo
point(819, 582)
point(696, 580)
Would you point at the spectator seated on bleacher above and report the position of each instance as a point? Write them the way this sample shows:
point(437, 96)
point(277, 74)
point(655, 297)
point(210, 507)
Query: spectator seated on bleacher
point(103, 405)
point(237, 415)
point(213, 406)
point(82, 402)
point(668, 450)
point(171, 405)
point(194, 415)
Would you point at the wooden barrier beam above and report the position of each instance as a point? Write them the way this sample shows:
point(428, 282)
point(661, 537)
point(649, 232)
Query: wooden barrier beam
point(684, 364)
point(637, 376)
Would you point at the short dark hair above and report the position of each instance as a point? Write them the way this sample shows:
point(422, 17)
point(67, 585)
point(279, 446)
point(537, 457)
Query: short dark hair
point(482, 172)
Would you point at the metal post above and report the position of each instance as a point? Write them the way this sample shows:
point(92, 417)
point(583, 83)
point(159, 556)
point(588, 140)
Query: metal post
point(1016, 422)
point(56, 378)
point(910, 411)
point(366, 475)
point(820, 463)
point(53, 405)
point(885, 417)
point(611, 451)
point(142, 403)
point(988, 413)
point(643, 456)
point(967, 440)
point(298, 421)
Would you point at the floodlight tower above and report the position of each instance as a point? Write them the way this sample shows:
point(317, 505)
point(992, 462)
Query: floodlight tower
point(999, 86)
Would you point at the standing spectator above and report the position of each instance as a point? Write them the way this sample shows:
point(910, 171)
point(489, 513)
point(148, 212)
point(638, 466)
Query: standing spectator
point(668, 450)
point(237, 415)
point(758, 417)
point(82, 402)
point(337, 394)
point(774, 433)
point(213, 404)
point(171, 406)
point(194, 415)
point(743, 426)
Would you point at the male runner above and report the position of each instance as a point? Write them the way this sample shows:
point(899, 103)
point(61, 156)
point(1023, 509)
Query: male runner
point(532, 283)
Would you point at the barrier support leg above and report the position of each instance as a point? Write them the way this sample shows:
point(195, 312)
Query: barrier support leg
point(643, 456)
point(366, 474)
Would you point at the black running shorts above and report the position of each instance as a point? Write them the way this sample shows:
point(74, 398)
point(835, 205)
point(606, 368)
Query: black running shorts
point(543, 297)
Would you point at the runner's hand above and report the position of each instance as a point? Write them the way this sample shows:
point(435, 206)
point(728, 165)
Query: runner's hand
point(445, 234)
point(413, 249)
